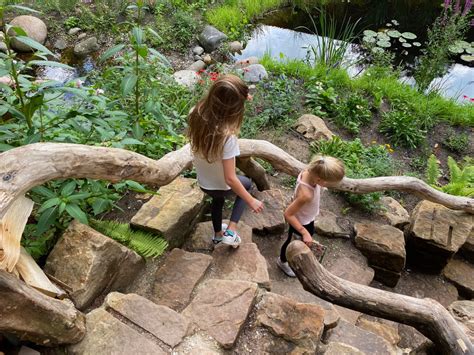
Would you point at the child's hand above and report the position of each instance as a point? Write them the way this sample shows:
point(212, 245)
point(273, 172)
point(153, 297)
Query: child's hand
point(256, 206)
point(307, 239)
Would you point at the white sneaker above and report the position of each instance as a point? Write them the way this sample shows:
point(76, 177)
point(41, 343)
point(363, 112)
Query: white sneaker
point(285, 267)
point(231, 238)
point(217, 240)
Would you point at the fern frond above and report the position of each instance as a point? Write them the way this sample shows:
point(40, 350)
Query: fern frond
point(433, 172)
point(455, 172)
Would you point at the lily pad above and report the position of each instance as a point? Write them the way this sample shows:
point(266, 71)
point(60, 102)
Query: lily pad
point(395, 22)
point(377, 50)
point(417, 44)
point(455, 49)
point(406, 45)
point(394, 34)
point(402, 40)
point(470, 50)
point(370, 33)
point(369, 39)
point(383, 37)
point(384, 44)
point(388, 25)
point(409, 35)
point(467, 58)
point(462, 44)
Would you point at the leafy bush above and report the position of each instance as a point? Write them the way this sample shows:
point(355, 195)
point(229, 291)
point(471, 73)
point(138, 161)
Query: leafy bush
point(144, 243)
point(402, 128)
point(457, 142)
point(320, 97)
point(461, 177)
point(360, 162)
point(352, 112)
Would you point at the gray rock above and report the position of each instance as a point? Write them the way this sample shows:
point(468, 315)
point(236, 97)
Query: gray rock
point(436, 233)
point(3, 45)
point(197, 66)
point(394, 212)
point(386, 331)
point(176, 279)
point(463, 312)
point(467, 250)
point(188, 78)
point(220, 309)
point(313, 127)
point(362, 340)
point(32, 316)
point(198, 50)
point(34, 27)
point(243, 63)
point(198, 344)
point(197, 57)
point(211, 38)
point(271, 219)
point(60, 44)
point(107, 335)
point(74, 31)
point(207, 59)
point(174, 212)
point(255, 73)
point(90, 264)
point(300, 323)
point(86, 47)
point(330, 225)
point(335, 348)
point(461, 274)
point(235, 47)
point(201, 237)
point(244, 263)
point(82, 36)
point(160, 321)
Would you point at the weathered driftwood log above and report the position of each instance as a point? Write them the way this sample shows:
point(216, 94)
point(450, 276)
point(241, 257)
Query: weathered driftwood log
point(255, 171)
point(28, 166)
point(35, 317)
point(426, 315)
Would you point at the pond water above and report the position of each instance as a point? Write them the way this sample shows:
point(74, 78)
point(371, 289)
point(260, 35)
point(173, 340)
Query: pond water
point(277, 36)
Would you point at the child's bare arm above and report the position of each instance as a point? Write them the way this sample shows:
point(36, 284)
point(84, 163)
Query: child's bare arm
point(290, 215)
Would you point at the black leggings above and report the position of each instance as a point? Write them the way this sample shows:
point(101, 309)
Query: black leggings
point(309, 227)
point(217, 204)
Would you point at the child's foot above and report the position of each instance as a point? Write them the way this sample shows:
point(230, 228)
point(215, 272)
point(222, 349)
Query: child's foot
point(231, 238)
point(216, 239)
point(285, 267)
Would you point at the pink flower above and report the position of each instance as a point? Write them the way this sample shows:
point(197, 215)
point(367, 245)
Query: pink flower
point(465, 97)
point(471, 99)
point(78, 83)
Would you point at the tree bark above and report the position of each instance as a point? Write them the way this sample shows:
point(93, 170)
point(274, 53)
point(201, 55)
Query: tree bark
point(426, 315)
point(255, 171)
point(32, 165)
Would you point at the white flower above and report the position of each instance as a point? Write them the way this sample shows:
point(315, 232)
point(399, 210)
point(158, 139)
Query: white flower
point(79, 83)
point(99, 91)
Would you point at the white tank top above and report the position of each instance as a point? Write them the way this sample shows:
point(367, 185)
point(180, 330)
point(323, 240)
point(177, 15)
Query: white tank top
point(310, 210)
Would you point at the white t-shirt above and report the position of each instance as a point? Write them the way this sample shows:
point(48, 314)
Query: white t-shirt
point(211, 175)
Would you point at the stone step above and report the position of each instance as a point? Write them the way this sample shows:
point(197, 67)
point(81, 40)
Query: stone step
point(220, 309)
point(461, 274)
point(173, 212)
point(243, 263)
point(176, 279)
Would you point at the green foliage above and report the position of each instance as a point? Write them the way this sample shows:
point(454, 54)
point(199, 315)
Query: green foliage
point(352, 112)
point(433, 172)
point(319, 97)
point(360, 162)
point(461, 177)
point(402, 127)
point(457, 142)
point(71, 22)
point(144, 243)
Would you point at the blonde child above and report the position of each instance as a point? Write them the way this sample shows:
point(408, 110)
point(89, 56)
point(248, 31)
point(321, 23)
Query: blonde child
point(213, 125)
point(301, 213)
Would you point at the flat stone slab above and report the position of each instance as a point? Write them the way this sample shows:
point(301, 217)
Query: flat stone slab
point(362, 340)
point(164, 323)
point(300, 323)
point(395, 214)
point(197, 343)
point(467, 250)
point(461, 274)
point(176, 278)
point(386, 331)
point(334, 348)
point(201, 237)
point(271, 219)
point(90, 263)
point(243, 263)
point(220, 309)
point(173, 213)
point(107, 335)
point(463, 312)
point(313, 127)
point(330, 225)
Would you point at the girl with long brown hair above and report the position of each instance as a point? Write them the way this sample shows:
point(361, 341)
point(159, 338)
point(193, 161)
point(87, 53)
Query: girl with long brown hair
point(214, 124)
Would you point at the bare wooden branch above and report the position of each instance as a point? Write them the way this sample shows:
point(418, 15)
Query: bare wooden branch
point(426, 315)
point(255, 171)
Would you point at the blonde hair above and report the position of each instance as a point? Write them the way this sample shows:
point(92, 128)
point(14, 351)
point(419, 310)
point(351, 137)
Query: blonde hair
point(327, 168)
point(219, 114)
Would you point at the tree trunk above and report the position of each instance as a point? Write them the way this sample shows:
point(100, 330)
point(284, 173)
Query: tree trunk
point(426, 315)
point(254, 171)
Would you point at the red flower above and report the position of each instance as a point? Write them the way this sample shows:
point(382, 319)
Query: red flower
point(471, 99)
point(213, 76)
point(465, 96)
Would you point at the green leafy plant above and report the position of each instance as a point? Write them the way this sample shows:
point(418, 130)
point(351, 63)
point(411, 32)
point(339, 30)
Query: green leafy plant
point(144, 243)
point(402, 127)
point(461, 177)
point(319, 97)
point(433, 172)
point(71, 22)
point(352, 112)
point(457, 142)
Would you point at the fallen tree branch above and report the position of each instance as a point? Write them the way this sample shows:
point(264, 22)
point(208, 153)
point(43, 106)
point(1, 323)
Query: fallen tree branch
point(426, 315)
point(254, 171)
point(32, 165)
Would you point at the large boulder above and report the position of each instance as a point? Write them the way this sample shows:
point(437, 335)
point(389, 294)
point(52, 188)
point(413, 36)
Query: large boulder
point(188, 78)
point(436, 233)
point(32, 316)
point(463, 312)
point(461, 274)
point(384, 247)
point(243, 63)
point(85, 47)
point(211, 38)
point(271, 219)
point(90, 263)
point(313, 127)
point(330, 225)
point(394, 212)
point(34, 27)
point(467, 250)
point(255, 73)
point(220, 309)
point(172, 213)
point(299, 323)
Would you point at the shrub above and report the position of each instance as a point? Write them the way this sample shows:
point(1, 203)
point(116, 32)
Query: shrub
point(352, 112)
point(457, 142)
point(402, 128)
point(461, 177)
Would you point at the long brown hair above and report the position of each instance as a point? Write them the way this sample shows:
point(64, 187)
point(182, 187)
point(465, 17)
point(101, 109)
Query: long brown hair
point(219, 114)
